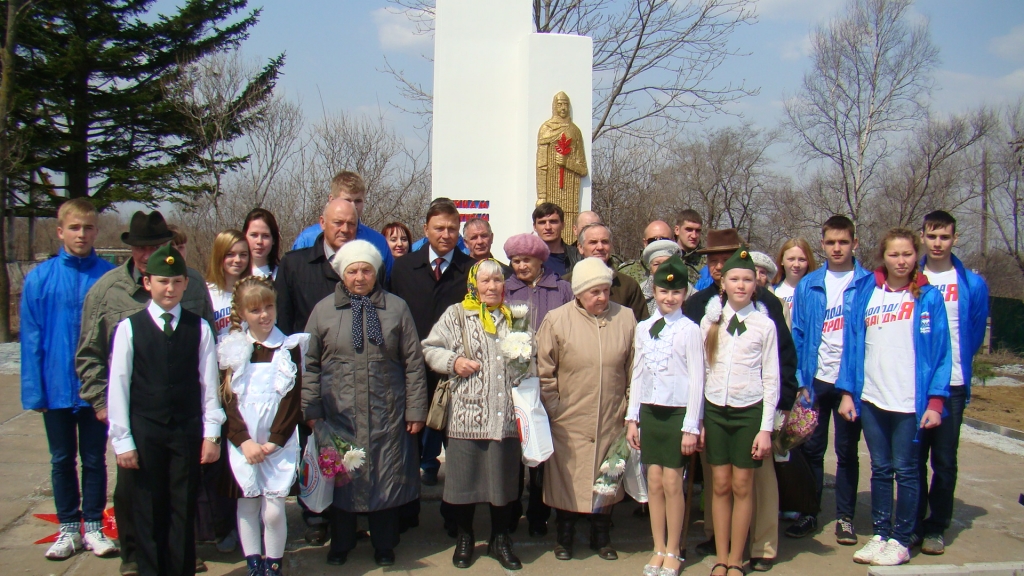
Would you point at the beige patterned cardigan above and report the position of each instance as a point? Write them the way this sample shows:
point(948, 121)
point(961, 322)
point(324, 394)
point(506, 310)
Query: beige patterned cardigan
point(481, 405)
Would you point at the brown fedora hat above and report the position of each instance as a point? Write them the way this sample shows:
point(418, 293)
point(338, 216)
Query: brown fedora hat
point(727, 240)
point(147, 230)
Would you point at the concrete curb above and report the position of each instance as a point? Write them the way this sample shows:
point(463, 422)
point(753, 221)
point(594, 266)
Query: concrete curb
point(970, 569)
point(994, 428)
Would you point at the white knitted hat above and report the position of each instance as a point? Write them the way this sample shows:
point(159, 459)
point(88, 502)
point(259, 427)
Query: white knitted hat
point(590, 272)
point(356, 251)
point(765, 261)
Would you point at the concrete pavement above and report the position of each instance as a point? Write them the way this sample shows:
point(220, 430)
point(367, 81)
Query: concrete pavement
point(988, 527)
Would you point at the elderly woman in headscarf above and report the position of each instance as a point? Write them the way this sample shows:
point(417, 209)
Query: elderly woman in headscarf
point(542, 291)
point(483, 454)
point(584, 359)
point(366, 381)
point(653, 255)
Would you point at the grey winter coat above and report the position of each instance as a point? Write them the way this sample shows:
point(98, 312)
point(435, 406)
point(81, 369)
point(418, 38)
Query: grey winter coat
point(368, 396)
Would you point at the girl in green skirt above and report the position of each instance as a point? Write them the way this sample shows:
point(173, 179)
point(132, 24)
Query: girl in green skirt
point(665, 397)
point(740, 394)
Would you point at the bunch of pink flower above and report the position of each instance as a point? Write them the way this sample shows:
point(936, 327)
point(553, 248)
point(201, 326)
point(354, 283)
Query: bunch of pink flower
point(331, 463)
point(798, 428)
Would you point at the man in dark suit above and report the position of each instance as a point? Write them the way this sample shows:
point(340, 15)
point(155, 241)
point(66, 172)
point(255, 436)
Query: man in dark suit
point(304, 278)
point(430, 280)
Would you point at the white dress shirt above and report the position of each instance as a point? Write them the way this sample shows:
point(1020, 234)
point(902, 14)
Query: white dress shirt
point(669, 370)
point(122, 357)
point(746, 368)
point(447, 258)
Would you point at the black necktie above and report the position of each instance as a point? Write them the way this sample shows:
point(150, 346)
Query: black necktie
point(168, 329)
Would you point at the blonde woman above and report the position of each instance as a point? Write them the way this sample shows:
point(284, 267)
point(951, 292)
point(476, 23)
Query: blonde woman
point(229, 263)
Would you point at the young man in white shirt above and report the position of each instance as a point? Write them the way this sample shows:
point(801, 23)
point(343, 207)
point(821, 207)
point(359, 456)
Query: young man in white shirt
point(966, 297)
point(820, 302)
point(165, 415)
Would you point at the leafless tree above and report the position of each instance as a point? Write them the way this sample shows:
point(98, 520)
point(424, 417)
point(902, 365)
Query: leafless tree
point(1006, 184)
point(654, 60)
point(866, 88)
point(625, 191)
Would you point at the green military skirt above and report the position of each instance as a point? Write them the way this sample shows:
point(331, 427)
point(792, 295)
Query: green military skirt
point(661, 435)
point(729, 434)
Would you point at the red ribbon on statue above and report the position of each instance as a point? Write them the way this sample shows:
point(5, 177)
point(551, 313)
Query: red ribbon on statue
point(564, 147)
point(109, 526)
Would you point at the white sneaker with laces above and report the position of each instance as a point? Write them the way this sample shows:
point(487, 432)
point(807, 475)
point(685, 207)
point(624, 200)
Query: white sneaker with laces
point(866, 554)
point(99, 544)
point(893, 554)
point(65, 547)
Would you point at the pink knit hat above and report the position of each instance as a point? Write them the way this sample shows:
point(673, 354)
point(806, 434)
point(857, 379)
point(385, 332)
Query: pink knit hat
point(527, 245)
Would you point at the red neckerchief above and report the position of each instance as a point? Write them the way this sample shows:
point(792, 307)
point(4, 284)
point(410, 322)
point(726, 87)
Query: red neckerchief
point(881, 274)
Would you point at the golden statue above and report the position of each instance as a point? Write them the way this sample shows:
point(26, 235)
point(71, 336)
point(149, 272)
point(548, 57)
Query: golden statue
point(561, 162)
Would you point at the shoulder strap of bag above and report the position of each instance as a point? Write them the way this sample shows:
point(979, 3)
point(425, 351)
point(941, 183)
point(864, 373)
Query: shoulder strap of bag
point(462, 328)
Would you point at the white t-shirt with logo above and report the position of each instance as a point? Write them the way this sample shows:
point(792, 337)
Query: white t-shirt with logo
point(890, 377)
point(785, 293)
point(830, 351)
point(221, 310)
point(948, 284)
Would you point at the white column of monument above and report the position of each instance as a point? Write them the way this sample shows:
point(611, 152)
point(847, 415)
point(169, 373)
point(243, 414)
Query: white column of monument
point(494, 80)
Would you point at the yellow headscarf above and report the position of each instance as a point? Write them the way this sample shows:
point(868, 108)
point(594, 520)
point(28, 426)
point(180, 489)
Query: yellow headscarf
point(472, 301)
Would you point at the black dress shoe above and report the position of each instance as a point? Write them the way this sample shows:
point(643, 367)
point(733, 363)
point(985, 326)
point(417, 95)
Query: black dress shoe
point(761, 564)
point(706, 548)
point(429, 478)
point(538, 529)
point(500, 548)
point(605, 552)
point(384, 557)
point(463, 556)
point(337, 559)
point(316, 535)
point(565, 532)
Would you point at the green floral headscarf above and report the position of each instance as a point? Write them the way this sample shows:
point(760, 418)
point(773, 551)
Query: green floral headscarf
point(472, 301)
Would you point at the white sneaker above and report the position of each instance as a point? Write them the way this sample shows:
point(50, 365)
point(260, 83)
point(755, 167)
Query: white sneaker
point(65, 547)
point(866, 554)
point(99, 544)
point(893, 554)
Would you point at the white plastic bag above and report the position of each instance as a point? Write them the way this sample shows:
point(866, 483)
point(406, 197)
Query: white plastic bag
point(315, 491)
point(532, 420)
point(634, 480)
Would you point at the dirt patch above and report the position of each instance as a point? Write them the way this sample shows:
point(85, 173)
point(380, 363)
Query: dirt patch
point(998, 405)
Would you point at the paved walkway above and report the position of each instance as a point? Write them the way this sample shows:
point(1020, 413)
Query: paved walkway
point(989, 523)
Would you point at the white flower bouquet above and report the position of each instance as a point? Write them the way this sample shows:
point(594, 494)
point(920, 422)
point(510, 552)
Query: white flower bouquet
point(517, 346)
point(610, 473)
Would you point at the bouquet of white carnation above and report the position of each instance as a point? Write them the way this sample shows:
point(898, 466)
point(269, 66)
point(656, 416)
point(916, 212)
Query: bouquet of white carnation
point(517, 346)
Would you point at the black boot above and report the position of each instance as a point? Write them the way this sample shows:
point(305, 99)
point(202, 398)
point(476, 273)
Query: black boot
point(254, 563)
point(565, 531)
point(600, 537)
point(272, 567)
point(500, 548)
point(463, 556)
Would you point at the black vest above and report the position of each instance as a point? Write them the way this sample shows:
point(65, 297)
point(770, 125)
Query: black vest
point(165, 374)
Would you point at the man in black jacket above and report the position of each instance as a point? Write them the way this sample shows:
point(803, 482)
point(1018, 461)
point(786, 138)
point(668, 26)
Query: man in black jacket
point(548, 222)
point(764, 526)
point(304, 278)
point(430, 280)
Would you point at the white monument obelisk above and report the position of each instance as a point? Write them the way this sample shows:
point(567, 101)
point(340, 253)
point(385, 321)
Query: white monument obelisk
point(494, 81)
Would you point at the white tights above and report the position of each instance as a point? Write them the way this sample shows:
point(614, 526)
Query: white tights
point(273, 518)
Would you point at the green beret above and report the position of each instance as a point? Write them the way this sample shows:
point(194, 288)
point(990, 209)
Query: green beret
point(672, 274)
point(166, 261)
point(740, 259)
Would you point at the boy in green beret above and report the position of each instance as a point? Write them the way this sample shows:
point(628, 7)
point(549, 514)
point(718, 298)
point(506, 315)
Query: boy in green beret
point(165, 415)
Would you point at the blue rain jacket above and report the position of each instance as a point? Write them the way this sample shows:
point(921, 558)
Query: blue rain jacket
point(51, 319)
point(808, 317)
point(363, 232)
point(972, 304)
point(933, 359)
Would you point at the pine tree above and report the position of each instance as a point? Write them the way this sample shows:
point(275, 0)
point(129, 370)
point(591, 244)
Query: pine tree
point(93, 114)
